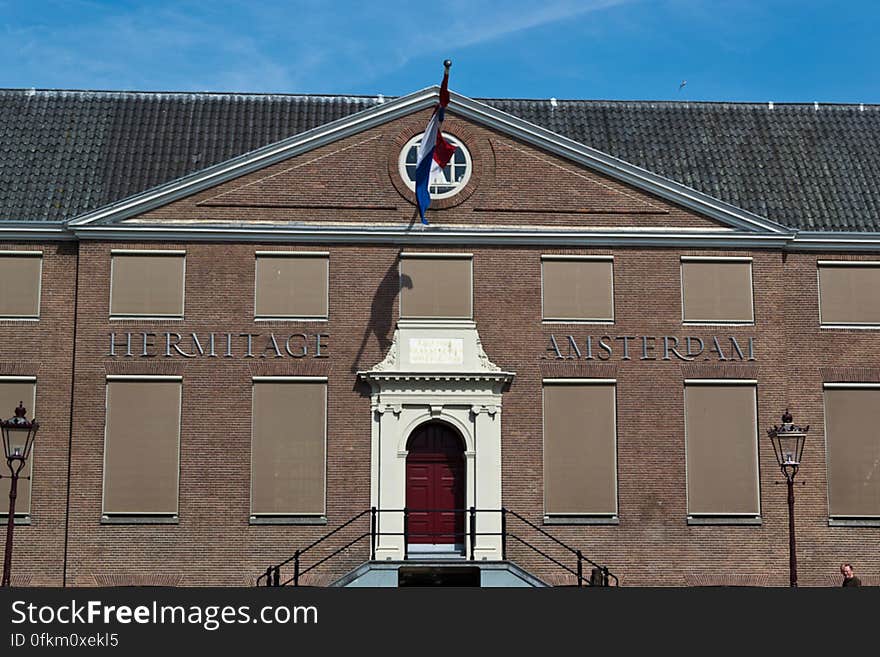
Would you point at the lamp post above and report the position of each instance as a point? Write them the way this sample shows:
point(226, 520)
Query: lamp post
point(18, 439)
point(788, 444)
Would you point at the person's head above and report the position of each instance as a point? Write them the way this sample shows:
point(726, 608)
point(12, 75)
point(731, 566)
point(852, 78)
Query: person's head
point(846, 570)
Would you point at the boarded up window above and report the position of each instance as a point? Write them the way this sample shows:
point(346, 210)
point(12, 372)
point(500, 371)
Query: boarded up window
point(852, 418)
point(849, 294)
point(20, 284)
point(291, 286)
point(716, 291)
point(142, 446)
point(288, 447)
point(580, 449)
point(722, 449)
point(12, 391)
point(435, 287)
point(147, 285)
point(577, 289)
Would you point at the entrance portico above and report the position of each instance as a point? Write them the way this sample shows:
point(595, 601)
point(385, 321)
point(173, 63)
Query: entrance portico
point(436, 372)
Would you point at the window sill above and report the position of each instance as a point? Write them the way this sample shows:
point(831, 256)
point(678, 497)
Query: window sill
point(581, 520)
point(602, 322)
point(146, 318)
point(724, 520)
point(17, 521)
point(139, 520)
point(850, 327)
point(854, 522)
point(291, 320)
point(717, 322)
point(288, 520)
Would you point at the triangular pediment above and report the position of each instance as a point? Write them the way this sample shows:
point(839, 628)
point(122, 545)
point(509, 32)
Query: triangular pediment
point(343, 174)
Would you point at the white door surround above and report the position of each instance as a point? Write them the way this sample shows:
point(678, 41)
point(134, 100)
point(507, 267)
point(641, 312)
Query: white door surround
point(436, 371)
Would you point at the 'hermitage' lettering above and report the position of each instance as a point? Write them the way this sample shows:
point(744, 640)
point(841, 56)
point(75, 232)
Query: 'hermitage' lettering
point(651, 347)
point(169, 344)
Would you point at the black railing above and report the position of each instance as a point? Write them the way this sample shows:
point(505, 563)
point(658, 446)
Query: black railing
point(599, 575)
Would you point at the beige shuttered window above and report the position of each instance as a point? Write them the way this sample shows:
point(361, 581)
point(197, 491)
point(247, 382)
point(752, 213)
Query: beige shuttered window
point(852, 418)
point(147, 284)
point(849, 293)
point(15, 389)
point(577, 288)
point(142, 445)
point(291, 285)
point(580, 447)
point(435, 286)
point(288, 446)
point(717, 290)
point(721, 439)
point(20, 281)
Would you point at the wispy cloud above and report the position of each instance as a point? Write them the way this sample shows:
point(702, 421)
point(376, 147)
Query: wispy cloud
point(257, 46)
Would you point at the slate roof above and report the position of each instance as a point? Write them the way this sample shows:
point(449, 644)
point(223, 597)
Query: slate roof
point(63, 153)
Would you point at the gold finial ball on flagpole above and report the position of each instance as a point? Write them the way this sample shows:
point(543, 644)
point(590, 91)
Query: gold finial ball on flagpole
point(447, 63)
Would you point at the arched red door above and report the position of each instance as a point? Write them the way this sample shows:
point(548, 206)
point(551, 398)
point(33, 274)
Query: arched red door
point(435, 482)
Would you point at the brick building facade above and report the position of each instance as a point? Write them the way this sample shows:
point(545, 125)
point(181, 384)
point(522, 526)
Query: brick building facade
point(595, 345)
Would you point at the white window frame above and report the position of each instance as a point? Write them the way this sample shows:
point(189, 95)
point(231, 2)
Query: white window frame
point(294, 254)
point(599, 517)
point(719, 517)
point(140, 377)
point(28, 318)
point(456, 186)
point(288, 379)
point(860, 326)
point(712, 322)
point(147, 316)
point(597, 258)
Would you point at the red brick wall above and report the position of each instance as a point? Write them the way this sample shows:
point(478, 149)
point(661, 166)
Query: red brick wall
point(353, 181)
point(43, 349)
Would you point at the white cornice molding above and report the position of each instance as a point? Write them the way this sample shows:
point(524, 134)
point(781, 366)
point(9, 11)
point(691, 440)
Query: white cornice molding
point(431, 235)
point(34, 231)
point(461, 105)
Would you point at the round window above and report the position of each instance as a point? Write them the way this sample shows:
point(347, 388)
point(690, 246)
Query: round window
point(447, 182)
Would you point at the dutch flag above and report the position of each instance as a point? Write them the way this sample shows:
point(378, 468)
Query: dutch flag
point(434, 153)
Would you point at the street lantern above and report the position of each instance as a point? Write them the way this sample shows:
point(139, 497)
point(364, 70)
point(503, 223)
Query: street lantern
point(18, 440)
point(788, 444)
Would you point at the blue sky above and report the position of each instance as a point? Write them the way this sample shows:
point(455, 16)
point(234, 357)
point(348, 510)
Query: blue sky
point(745, 50)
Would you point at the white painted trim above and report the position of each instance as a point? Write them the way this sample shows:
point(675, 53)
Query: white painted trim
point(604, 514)
point(550, 256)
point(432, 235)
point(34, 230)
point(579, 320)
point(18, 379)
point(281, 254)
point(434, 320)
point(715, 322)
point(459, 105)
point(850, 327)
point(848, 263)
point(135, 377)
point(686, 258)
point(721, 382)
point(853, 386)
point(27, 254)
point(552, 381)
point(145, 318)
point(289, 379)
point(325, 255)
point(432, 254)
point(708, 514)
point(149, 252)
point(144, 377)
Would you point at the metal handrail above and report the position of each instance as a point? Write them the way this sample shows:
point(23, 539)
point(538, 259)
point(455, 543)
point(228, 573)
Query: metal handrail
point(601, 576)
